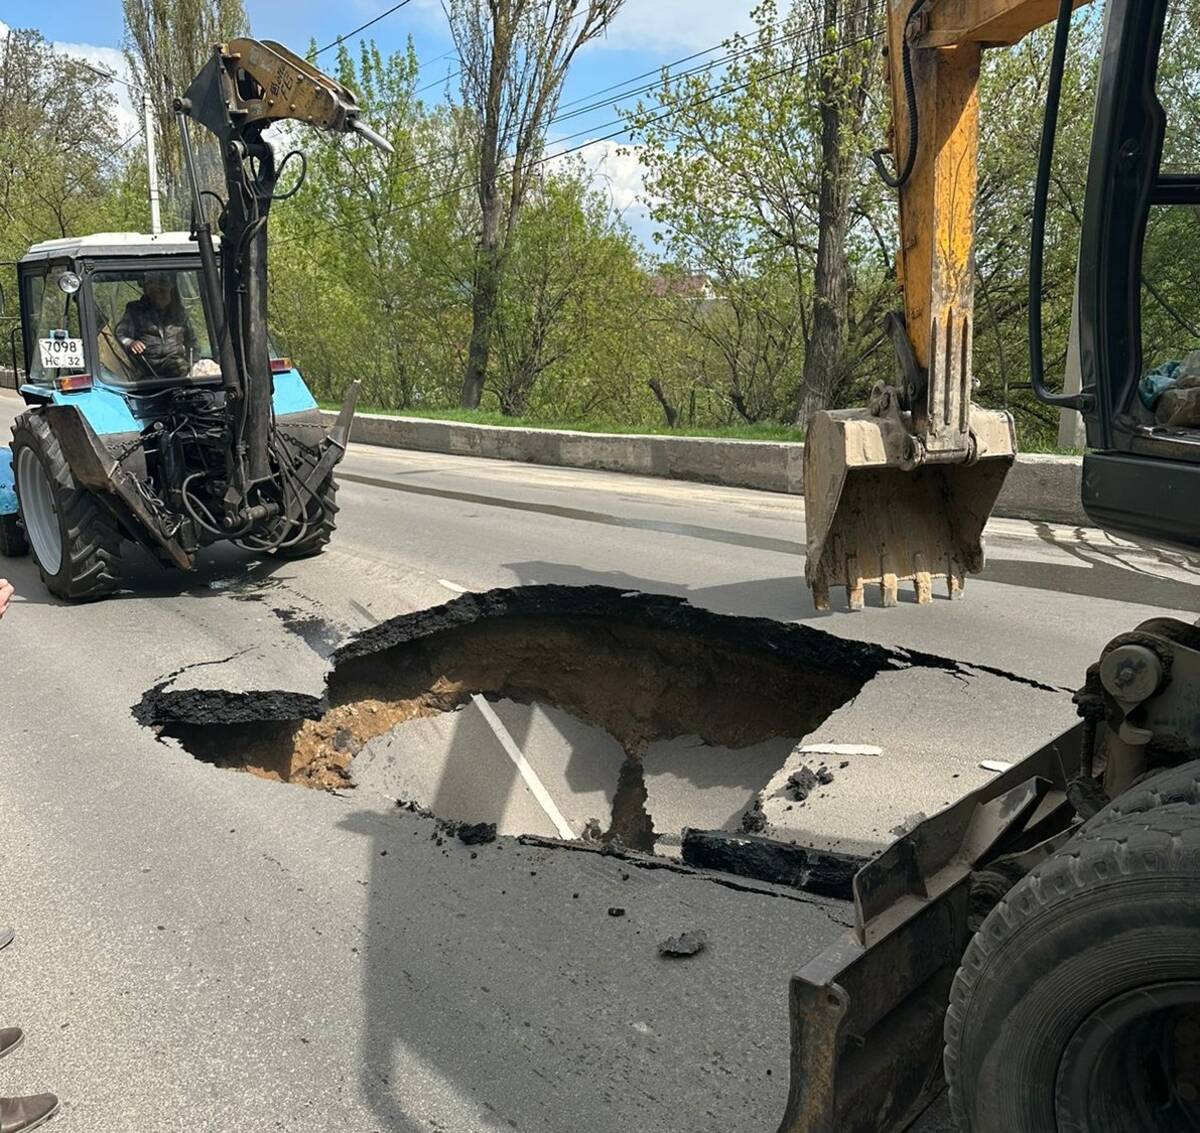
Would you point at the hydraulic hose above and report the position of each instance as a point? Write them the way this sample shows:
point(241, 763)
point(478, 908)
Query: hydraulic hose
point(899, 180)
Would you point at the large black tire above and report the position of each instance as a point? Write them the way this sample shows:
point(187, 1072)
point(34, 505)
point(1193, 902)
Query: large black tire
point(13, 544)
point(318, 536)
point(1062, 987)
point(90, 541)
point(1176, 785)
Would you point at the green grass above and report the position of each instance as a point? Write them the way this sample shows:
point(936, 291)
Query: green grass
point(761, 432)
point(1035, 445)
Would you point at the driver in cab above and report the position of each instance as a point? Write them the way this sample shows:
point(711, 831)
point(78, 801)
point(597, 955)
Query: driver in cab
point(155, 328)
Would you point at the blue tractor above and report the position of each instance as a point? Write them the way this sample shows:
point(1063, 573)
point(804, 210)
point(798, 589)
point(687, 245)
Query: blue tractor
point(158, 411)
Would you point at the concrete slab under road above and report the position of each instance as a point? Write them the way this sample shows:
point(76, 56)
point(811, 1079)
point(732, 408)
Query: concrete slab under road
point(455, 765)
point(199, 946)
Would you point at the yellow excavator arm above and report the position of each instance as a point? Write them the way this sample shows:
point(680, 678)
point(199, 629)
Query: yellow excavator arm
point(900, 491)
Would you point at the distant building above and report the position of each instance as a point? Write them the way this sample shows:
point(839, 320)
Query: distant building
point(694, 285)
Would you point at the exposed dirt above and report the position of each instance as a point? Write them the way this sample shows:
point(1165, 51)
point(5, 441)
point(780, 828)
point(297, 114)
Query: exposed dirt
point(641, 667)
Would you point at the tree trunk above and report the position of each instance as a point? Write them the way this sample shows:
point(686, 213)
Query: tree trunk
point(669, 411)
point(487, 261)
point(826, 344)
point(483, 310)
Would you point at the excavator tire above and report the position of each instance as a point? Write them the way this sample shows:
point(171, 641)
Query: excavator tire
point(1175, 785)
point(317, 538)
point(64, 523)
point(1077, 1005)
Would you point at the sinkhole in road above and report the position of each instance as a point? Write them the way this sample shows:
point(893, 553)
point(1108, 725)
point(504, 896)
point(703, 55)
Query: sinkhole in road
point(635, 714)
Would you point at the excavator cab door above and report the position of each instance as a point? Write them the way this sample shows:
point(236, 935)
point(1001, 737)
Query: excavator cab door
point(1139, 299)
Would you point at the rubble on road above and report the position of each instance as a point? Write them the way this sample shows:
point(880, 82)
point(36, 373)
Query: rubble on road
point(685, 944)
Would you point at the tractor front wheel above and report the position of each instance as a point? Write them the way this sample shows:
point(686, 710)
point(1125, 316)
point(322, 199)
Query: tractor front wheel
point(75, 541)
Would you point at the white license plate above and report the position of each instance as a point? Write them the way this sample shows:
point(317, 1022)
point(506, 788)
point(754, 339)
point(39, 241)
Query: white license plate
point(61, 353)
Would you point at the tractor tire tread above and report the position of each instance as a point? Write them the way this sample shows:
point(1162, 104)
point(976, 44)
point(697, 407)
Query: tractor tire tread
point(92, 541)
point(318, 540)
point(1179, 784)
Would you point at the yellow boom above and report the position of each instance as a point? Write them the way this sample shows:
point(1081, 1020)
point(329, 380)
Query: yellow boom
point(900, 491)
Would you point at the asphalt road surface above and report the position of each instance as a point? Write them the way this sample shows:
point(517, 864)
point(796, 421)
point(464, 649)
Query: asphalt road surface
point(200, 948)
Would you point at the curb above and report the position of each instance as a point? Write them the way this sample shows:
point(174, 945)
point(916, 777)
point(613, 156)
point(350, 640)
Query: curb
point(1040, 487)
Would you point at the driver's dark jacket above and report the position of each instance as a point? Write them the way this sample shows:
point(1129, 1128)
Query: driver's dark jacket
point(166, 333)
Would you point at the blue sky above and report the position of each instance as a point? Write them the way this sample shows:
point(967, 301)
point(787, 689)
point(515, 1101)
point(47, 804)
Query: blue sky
point(645, 34)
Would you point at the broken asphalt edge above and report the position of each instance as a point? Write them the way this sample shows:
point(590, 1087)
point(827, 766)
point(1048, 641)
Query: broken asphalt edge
point(805, 644)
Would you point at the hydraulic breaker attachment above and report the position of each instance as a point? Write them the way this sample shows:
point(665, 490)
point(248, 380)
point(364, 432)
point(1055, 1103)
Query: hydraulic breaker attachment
point(246, 86)
point(93, 466)
point(867, 1014)
point(335, 448)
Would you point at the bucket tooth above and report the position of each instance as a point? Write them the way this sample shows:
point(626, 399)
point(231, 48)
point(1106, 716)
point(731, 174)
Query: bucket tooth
point(922, 580)
point(855, 596)
point(954, 581)
point(820, 593)
point(889, 588)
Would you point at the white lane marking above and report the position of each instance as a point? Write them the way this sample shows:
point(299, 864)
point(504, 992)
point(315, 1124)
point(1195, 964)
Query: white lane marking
point(841, 749)
point(453, 587)
point(530, 776)
point(997, 765)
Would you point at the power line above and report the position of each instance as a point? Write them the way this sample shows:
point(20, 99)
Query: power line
point(437, 59)
point(647, 87)
point(672, 112)
point(438, 82)
point(790, 36)
point(361, 28)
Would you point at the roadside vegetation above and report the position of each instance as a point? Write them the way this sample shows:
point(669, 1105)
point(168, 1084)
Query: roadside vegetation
point(763, 431)
point(482, 271)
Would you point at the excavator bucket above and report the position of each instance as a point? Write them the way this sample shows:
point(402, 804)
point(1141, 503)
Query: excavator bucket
point(876, 517)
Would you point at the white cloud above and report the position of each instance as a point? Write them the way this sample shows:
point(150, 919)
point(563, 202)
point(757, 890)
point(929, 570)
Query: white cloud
point(126, 117)
point(615, 168)
point(677, 26)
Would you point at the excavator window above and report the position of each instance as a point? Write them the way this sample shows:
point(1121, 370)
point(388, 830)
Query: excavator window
point(1169, 392)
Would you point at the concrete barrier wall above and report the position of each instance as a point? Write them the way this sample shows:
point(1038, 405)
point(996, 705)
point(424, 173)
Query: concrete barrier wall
point(1039, 487)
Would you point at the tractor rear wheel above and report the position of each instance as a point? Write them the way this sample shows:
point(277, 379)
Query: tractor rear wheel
point(75, 542)
point(321, 529)
point(1077, 1005)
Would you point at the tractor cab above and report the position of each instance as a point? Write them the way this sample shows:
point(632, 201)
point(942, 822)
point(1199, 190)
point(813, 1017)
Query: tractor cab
point(115, 310)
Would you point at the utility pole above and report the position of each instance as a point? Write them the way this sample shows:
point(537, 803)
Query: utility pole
point(151, 164)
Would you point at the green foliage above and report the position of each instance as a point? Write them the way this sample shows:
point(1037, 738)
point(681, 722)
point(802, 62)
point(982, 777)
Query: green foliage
point(370, 260)
point(62, 172)
point(734, 169)
point(752, 171)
